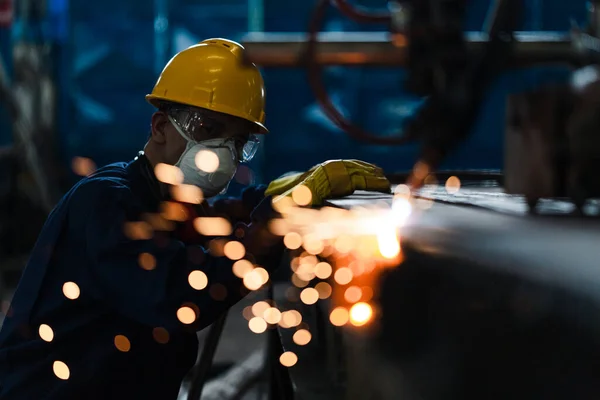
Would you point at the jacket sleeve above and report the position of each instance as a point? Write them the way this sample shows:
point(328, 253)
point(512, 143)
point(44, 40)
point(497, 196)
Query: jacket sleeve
point(147, 279)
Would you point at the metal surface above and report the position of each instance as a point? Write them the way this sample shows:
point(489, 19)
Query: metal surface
point(385, 49)
point(553, 250)
point(202, 369)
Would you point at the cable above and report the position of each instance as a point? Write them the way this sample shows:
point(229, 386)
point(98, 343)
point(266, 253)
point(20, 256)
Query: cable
point(361, 16)
point(316, 83)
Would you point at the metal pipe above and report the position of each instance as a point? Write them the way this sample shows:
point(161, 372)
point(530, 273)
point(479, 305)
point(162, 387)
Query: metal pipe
point(381, 49)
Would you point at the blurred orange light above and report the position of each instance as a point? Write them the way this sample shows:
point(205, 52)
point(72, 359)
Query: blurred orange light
point(147, 261)
point(302, 195)
point(298, 281)
point(168, 174)
point(186, 315)
point(234, 250)
point(257, 325)
point(288, 359)
point(71, 290)
point(173, 211)
point(46, 333)
point(360, 314)
point(323, 270)
point(140, 230)
point(122, 343)
point(343, 276)
point(191, 194)
point(253, 280)
point(339, 316)
point(353, 294)
point(344, 244)
point(207, 161)
point(290, 319)
point(198, 280)
point(83, 166)
point(453, 185)
point(292, 240)
point(309, 296)
point(272, 315)
point(61, 370)
point(302, 337)
point(242, 267)
point(259, 308)
point(213, 226)
point(324, 290)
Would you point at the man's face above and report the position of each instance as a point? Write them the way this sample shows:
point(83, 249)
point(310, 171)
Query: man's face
point(197, 124)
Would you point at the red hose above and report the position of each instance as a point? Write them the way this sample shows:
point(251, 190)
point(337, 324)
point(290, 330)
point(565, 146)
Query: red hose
point(316, 83)
point(360, 16)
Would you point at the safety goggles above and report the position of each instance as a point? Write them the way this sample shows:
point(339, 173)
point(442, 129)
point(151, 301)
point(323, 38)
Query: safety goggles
point(199, 127)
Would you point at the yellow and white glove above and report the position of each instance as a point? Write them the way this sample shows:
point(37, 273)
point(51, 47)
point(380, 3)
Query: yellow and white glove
point(332, 179)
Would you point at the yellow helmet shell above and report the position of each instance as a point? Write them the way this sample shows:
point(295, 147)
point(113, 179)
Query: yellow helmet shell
point(212, 75)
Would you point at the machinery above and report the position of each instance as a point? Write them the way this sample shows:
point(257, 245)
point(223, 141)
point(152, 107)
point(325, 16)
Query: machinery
point(493, 291)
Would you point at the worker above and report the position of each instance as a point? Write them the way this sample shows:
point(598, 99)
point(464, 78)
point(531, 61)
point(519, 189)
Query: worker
point(107, 307)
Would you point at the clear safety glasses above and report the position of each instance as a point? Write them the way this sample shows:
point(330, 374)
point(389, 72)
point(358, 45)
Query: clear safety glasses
point(199, 127)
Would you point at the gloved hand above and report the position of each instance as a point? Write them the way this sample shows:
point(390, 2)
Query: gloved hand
point(331, 179)
point(239, 209)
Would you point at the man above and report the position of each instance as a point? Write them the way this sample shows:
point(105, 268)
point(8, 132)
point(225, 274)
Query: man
point(107, 308)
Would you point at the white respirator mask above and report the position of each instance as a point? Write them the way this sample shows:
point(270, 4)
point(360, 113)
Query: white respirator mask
point(209, 164)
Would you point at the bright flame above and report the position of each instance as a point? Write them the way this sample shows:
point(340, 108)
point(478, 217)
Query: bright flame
point(389, 247)
point(207, 161)
point(71, 290)
point(213, 226)
point(168, 174)
point(234, 250)
point(198, 280)
point(360, 314)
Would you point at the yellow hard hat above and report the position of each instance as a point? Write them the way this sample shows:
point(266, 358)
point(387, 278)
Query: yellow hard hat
point(211, 75)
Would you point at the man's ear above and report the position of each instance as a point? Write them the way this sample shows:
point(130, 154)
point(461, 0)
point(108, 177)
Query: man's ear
point(158, 125)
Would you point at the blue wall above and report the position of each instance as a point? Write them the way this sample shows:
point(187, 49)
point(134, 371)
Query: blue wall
point(112, 64)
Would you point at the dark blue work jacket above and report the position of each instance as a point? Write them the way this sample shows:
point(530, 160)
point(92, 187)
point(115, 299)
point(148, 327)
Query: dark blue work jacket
point(84, 242)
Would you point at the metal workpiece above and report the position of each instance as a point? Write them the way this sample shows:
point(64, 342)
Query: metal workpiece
point(493, 230)
point(387, 49)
